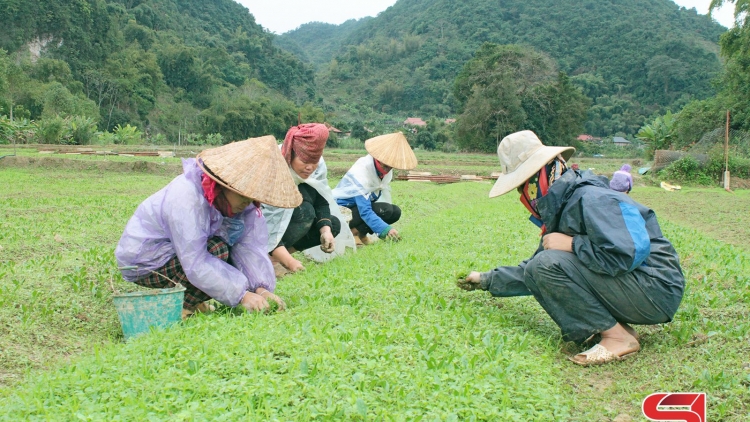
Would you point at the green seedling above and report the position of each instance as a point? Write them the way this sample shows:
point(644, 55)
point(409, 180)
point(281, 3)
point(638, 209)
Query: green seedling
point(463, 283)
point(272, 306)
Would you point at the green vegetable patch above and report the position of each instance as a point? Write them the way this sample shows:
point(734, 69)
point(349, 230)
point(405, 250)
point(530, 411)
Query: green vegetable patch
point(382, 333)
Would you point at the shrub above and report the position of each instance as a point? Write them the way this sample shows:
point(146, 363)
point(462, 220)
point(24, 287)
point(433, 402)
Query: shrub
point(449, 146)
point(687, 169)
point(105, 138)
point(739, 166)
point(333, 140)
point(193, 139)
point(6, 129)
point(214, 139)
point(54, 130)
point(82, 129)
point(19, 131)
point(350, 143)
point(425, 140)
point(158, 139)
point(128, 135)
point(359, 132)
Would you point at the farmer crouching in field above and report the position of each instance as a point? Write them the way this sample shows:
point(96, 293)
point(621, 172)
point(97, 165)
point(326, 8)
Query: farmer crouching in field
point(205, 229)
point(602, 263)
point(622, 180)
point(317, 221)
point(366, 189)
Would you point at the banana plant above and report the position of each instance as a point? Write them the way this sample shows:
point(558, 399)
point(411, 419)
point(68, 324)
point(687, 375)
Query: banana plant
point(658, 134)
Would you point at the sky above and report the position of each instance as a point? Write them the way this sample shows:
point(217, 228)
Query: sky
point(281, 16)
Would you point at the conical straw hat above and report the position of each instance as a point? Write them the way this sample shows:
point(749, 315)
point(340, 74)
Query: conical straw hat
point(392, 150)
point(253, 168)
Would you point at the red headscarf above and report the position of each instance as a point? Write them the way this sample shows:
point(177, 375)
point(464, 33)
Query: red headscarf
point(215, 197)
point(307, 141)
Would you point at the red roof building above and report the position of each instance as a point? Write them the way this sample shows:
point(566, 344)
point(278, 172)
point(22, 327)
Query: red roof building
point(415, 121)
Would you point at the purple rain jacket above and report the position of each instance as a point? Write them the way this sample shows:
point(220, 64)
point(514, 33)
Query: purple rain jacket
point(178, 220)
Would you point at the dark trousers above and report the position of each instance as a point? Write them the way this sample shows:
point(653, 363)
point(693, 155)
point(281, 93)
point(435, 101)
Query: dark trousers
point(173, 271)
point(387, 212)
point(302, 233)
point(583, 302)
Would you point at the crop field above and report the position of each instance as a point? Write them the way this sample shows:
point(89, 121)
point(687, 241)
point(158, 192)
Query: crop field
point(380, 334)
point(338, 160)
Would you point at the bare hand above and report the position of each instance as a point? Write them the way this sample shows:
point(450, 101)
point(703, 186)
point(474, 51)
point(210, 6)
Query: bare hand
point(470, 282)
point(327, 242)
point(558, 241)
point(294, 265)
point(271, 297)
point(254, 302)
point(393, 235)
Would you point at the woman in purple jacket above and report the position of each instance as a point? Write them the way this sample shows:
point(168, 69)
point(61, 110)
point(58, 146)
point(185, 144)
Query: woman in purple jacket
point(205, 229)
point(622, 180)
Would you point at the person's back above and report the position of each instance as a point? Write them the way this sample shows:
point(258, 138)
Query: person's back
point(622, 181)
point(590, 209)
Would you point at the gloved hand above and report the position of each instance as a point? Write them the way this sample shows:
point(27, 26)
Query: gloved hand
point(470, 282)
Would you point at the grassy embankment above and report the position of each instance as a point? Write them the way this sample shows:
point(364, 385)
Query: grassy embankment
point(381, 333)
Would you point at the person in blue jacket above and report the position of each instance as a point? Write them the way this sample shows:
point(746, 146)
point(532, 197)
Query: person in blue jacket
point(366, 187)
point(602, 263)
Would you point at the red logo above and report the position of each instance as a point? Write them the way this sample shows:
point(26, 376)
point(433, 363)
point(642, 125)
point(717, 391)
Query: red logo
point(678, 407)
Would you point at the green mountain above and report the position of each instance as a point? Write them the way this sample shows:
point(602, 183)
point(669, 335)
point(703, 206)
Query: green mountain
point(171, 67)
point(166, 66)
point(316, 42)
point(633, 58)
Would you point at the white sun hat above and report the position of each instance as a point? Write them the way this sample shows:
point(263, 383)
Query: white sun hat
point(521, 155)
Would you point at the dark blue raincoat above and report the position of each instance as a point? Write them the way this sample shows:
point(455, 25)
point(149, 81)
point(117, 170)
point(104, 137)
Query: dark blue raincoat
point(622, 268)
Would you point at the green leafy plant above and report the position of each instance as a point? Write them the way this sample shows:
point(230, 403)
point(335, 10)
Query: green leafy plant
point(82, 130)
point(659, 134)
point(688, 169)
point(54, 130)
point(127, 135)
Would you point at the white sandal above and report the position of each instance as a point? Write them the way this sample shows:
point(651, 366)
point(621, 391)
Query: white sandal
point(599, 355)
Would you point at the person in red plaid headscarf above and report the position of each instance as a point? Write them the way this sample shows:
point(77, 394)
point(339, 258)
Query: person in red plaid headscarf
point(317, 221)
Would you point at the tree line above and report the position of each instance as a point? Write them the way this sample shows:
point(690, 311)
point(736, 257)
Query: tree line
point(632, 58)
point(190, 71)
point(168, 68)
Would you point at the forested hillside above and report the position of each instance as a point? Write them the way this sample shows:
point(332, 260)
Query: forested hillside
point(633, 58)
point(205, 72)
point(316, 42)
point(166, 66)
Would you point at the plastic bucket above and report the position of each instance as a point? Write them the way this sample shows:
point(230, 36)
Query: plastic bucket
point(139, 311)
